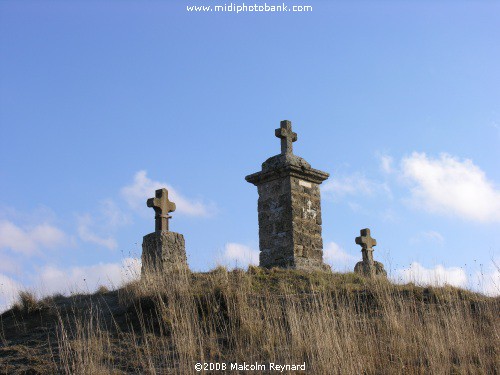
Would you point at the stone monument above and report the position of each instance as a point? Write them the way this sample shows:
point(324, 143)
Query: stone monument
point(162, 250)
point(368, 267)
point(289, 208)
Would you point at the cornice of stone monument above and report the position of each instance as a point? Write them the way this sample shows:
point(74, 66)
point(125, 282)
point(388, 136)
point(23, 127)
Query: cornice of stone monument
point(287, 163)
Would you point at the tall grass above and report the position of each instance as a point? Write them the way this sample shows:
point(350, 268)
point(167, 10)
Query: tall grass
point(336, 324)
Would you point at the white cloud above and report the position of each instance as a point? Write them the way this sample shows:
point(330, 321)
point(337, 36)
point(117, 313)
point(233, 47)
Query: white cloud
point(490, 283)
point(338, 258)
point(240, 255)
point(450, 186)
point(143, 188)
point(437, 276)
point(488, 280)
point(356, 184)
point(52, 280)
point(9, 290)
point(85, 279)
point(87, 234)
point(29, 240)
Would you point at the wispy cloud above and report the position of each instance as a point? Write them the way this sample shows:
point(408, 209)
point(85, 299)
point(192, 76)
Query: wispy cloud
point(143, 188)
point(99, 227)
point(28, 240)
point(112, 215)
point(386, 163)
point(356, 185)
point(428, 236)
point(85, 224)
point(451, 186)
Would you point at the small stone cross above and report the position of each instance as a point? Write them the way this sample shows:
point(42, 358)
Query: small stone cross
point(366, 242)
point(287, 137)
point(162, 207)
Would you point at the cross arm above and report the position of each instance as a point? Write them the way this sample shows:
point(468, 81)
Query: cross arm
point(284, 133)
point(154, 202)
point(151, 202)
point(171, 207)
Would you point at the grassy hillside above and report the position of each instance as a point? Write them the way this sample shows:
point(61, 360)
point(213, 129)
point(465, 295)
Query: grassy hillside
point(334, 323)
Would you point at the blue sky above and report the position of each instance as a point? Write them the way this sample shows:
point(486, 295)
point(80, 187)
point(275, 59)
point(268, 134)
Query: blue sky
point(102, 102)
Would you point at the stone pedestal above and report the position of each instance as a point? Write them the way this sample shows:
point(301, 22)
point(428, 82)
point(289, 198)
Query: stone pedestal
point(370, 269)
point(163, 252)
point(289, 209)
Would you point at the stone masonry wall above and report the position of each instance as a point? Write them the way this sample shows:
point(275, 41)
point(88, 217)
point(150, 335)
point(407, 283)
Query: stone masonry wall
point(275, 219)
point(290, 224)
point(306, 218)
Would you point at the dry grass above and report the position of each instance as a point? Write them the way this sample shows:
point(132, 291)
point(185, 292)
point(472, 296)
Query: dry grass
point(27, 302)
point(335, 323)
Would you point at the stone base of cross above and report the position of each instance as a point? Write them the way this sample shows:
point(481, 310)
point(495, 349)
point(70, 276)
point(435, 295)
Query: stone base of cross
point(163, 252)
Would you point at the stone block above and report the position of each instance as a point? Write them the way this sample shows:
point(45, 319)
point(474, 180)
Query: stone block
point(163, 252)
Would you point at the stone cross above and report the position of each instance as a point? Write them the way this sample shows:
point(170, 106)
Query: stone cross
point(287, 137)
point(366, 242)
point(162, 207)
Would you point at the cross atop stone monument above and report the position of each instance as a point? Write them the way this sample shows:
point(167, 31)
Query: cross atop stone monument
point(162, 207)
point(287, 137)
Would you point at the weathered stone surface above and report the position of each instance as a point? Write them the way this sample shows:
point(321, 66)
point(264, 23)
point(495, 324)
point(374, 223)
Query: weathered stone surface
point(366, 270)
point(162, 207)
point(368, 267)
point(163, 252)
point(287, 136)
point(289, 208)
